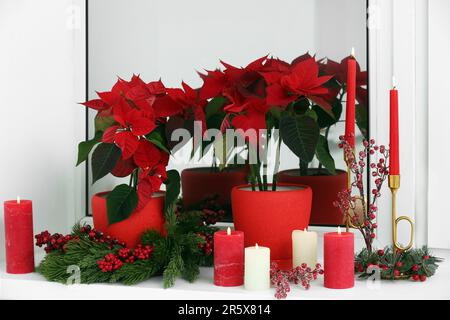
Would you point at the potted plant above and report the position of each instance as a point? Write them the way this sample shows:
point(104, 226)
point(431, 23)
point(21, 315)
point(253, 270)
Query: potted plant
point(259, 98)
point(325, 180)
point(129, 142)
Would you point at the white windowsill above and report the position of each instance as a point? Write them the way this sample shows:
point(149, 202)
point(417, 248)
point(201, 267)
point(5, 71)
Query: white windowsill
point(34, 286)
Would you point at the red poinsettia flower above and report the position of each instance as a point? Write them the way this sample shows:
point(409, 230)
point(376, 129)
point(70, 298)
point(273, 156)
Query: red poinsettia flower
point(132, 124)
point(247, 80)
point(339, 70)
point(190, 102)
point(150, 180)
point(302, 80)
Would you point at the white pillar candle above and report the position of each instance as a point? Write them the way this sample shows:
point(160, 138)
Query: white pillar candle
point(257, 268)
point(304, 248)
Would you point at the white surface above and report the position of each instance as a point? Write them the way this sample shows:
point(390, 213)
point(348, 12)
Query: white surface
point(33, 286)
point(439, 113)
point(41, 122)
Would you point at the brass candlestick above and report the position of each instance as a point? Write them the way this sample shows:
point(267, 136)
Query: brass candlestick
point(394, 185)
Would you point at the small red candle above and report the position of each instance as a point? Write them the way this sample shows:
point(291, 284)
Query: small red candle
point(394, 162)
point(351, 98)
point(228, 258)
point(19, 236)
point(339, 260)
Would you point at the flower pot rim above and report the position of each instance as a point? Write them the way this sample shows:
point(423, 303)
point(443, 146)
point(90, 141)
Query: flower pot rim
point(297, 187)
point(157, 194)
point(214, 169)
point(288, 171)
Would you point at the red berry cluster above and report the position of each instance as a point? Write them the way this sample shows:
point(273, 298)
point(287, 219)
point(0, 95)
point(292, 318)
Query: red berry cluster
point(299, 275)
point(208, 244)
point(113, 262)
point(212, 210)
point(57, 241)
point(110, 263)
point(52, 242)
point(100, 237)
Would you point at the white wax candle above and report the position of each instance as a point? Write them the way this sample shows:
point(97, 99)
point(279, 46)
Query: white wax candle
point(304, 248)
point(257, 268)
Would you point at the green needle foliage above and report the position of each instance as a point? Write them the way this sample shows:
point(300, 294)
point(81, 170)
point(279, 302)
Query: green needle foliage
point(398, 265)
point(176, 254)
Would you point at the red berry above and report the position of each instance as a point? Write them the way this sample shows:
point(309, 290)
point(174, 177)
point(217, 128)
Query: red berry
point(399, 264)
point(423, 278)
point(415, 277)
point(415, 268)
point(396, 273)
point(380, 252)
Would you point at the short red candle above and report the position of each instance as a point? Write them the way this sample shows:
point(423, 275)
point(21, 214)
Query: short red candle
point(19, 236)
point(339, 260)
point(228, 258)
point(394, 162)
point(350, 105)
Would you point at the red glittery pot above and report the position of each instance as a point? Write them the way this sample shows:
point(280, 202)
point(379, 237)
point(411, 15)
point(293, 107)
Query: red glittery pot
point(325, 189)
point(269, 217)
point(130, 229)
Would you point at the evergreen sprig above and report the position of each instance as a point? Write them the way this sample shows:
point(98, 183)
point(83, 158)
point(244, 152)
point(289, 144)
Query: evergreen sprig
point(175, 254)
point(418, 264)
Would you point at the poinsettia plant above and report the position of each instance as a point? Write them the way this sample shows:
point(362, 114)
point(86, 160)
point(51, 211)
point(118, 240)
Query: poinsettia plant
point(130, 141)
point(301, 99)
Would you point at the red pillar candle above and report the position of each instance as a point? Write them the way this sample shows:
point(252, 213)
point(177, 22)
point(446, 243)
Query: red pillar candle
point(339, 260)
point(394, 161)
point(351, 98)
point(228, 258)
point(19, 236)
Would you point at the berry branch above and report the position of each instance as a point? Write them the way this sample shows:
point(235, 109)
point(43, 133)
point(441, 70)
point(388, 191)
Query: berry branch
point(347, 202)
point(300, 275)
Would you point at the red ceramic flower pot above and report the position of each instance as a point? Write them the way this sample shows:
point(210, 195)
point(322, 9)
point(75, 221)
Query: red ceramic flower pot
point(200, 183)
point(131, 229)
point(269, 217)
point(325, 189)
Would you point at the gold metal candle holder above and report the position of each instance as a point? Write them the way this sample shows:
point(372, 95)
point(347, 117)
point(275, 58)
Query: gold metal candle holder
point(394, 185)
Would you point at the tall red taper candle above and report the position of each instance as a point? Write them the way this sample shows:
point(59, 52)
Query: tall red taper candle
point(339, 260)
point(19, 236)
point(228, 258)
point(351, 98)
point(394, 161)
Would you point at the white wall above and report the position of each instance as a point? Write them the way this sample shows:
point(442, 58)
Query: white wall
point(41, 124)
point(439, 115)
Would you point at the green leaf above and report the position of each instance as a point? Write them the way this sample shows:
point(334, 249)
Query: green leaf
point(172, 188)
point(214, 106)
point(312, 114)
point(85, 147)
point(300, 135)
point(324, 119)
point(362, 119)
point(104, 159)
point(157, 139)
point(120, 203)
point(324, 156)
point(103, 123)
